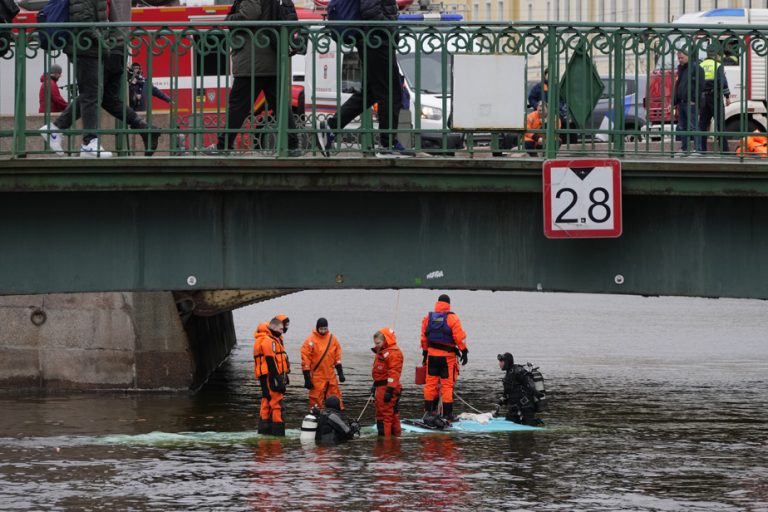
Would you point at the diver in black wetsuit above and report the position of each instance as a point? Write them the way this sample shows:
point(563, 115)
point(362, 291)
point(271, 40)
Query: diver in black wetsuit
point(333, 427)
point(519, 392)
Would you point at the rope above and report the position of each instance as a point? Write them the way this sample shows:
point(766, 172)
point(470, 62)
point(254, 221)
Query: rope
point(465, 403)
point(397, 310)
point(364, 408)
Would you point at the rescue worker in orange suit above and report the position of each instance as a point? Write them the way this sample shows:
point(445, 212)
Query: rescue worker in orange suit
point(387, 367)
point(536, 120)
point(286, 323)
point(271, 367)
point(442, 339)
point(756, 145)
point(320, 356)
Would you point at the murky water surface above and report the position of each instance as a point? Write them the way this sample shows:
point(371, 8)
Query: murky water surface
point(657, 404)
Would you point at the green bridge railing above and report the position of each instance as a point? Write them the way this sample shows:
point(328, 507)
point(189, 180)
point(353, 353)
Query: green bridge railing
point(609, 91)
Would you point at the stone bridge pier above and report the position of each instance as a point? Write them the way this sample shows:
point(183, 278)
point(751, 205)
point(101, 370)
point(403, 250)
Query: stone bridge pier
point(116, 340)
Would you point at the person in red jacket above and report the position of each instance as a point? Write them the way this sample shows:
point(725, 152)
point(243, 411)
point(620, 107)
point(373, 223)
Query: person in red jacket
point(50, 89)
point(387, 367)
point(442, 339)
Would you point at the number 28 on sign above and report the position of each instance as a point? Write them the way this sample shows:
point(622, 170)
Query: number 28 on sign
point(582, 198)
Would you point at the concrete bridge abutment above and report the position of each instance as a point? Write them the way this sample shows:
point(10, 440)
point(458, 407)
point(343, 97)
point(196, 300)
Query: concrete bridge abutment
point(114, 340)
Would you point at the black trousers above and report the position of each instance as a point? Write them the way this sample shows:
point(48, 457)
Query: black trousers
point(712, 106)
point(111, 101)
point(382, 86)
point(241, 103)
point(87, 78)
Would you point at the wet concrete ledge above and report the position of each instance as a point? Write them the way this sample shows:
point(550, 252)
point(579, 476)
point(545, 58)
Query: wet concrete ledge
point(108, 341)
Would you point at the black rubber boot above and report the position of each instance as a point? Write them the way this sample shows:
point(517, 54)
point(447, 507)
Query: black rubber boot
point(265, 427)
point(151, 140)
point(278, 429)
point(428, 406)
point(448, 412)
point(435, 404)
point(380, 428)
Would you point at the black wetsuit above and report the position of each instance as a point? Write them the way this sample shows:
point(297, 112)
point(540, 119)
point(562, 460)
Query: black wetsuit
point(333, 427)
point(519, 393)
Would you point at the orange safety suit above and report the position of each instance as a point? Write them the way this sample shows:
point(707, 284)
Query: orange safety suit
point(283, 318)
point(534, 121)
point(387, 367)
point(757, 145)
point(320, 354)
point(271, 368)
point(442, 365)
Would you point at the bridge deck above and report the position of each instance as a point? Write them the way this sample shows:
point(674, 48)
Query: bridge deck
point(680, 176)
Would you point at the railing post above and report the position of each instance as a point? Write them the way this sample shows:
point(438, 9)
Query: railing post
point(553, 99)
point(20, 106)
point(618, 93)
point(284, 92)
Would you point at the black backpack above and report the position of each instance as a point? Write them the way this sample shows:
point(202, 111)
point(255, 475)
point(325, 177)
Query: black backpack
point(285, 10)
point(55, 11)
point(8, 11)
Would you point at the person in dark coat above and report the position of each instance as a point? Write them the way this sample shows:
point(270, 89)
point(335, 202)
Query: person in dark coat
point(137, 86)
point(113, 75)
point(254, 66)
point(540, 92)
point(688, 87)
point(85, 47)
point(519, 392)
point(333, 426)
point(381, 82)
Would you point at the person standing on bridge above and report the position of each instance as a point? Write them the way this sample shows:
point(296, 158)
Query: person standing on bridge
point(271, 368)
point(687, 91)
point(381, 81)
point(84, 48)
point(714, 90)
point(113, 75)
point(387, 368)
point(442, 339)
point(320, 356)
point(254, 66)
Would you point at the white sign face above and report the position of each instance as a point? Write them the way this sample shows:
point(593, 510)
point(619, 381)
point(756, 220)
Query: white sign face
point(582, 198)
point(489, 92)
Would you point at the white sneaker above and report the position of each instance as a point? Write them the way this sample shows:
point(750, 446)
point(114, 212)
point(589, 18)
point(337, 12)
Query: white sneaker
point(94, 150)
point(53, 137)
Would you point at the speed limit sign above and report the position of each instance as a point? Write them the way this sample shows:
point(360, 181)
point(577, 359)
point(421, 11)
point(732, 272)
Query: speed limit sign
point(582, 198)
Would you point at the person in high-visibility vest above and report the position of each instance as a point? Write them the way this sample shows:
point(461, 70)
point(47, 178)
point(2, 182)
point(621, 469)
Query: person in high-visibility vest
point(715, 88)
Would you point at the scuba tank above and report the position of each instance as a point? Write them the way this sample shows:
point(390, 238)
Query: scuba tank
point(309, 427)
point(540, 397)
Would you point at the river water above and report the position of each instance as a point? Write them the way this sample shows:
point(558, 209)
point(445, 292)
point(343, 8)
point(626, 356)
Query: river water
point(657, 403)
